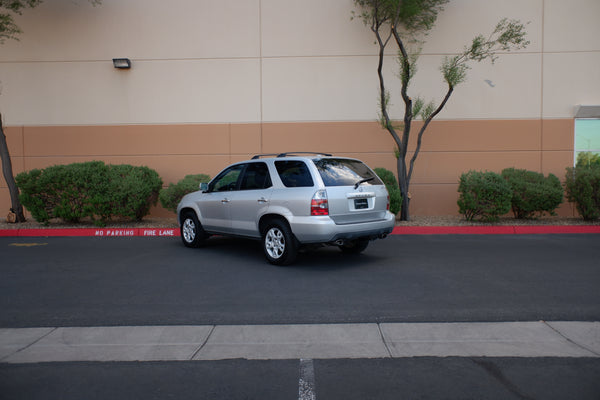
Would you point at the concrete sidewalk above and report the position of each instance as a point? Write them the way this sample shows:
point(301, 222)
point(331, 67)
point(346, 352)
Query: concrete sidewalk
point(208, 342)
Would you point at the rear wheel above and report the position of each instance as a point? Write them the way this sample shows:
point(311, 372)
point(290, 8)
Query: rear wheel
point(192, 233)
point(355, 246)
point(279, 244)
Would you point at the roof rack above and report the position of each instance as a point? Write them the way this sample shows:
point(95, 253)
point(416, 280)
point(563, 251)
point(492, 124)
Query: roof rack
point(256, 157)
point(290, 154)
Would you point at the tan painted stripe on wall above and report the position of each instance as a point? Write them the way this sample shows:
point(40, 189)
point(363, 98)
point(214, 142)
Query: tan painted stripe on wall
point(449, 149)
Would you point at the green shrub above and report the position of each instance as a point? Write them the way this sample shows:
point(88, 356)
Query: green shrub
point(483, 195)
point(172, 195)
point(89, 190)
point(61, 191)
point(132, 190)
point(583, 188)
point(391, 184)
point(532, 193)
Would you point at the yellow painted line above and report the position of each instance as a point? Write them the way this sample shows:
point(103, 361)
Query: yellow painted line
point(27, 244)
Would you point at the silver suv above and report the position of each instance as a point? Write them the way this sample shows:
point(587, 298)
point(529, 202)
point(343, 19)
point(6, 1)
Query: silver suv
point(290, 200)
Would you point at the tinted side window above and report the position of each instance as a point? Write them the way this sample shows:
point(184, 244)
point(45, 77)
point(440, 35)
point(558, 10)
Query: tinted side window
point(294, 173)
point(343, 172)
point(256, 176)
point(227, 180)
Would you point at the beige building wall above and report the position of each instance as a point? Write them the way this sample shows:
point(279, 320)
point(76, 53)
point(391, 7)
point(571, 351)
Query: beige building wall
point(214, 81)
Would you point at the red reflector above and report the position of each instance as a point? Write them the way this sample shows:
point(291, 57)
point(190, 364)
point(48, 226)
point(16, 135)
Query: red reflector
point(319, 207)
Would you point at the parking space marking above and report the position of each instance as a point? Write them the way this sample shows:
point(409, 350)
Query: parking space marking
point(306, 384)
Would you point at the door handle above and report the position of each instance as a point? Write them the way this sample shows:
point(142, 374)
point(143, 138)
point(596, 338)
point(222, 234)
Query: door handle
point(225, 200)
point(263, 200)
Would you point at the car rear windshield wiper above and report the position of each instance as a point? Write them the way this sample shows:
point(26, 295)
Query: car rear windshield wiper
point(362, 181)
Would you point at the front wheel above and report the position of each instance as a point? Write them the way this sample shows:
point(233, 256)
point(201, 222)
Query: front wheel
point(355, 246)
point(192, 233)
point(279, 244)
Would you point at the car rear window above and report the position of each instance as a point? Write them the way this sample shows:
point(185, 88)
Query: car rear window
point(294, 173)
point(345, 172)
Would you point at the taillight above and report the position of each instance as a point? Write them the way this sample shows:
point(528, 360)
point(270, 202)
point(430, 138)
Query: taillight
point(319, 204)
point(388, 203)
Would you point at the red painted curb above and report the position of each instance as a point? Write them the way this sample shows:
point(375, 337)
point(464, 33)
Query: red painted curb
point(452, 230)
point(398, 230)
point(494, 230)
point(557, 229)
point(96, 232)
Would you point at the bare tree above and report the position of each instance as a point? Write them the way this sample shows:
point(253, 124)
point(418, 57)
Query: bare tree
point(405, 23)
point(16, 206)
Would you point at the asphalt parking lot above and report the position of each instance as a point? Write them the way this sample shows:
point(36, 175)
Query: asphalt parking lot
point(413, 315)
point(65, 282)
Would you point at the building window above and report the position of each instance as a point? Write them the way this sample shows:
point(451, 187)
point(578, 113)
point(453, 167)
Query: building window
point(587, 136)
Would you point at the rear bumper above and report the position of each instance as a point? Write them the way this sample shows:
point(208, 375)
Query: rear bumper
point(324, 230)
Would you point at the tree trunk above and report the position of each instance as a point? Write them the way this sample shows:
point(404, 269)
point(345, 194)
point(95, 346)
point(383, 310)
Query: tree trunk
point(17, 208)
point(403, 185)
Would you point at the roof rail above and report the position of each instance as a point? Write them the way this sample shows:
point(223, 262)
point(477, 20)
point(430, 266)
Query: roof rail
point(256, 157)
point(291, 154)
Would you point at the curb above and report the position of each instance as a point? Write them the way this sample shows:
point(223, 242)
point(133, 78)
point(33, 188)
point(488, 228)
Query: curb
point(495, 230)
point(398, 230)
point(91, 232)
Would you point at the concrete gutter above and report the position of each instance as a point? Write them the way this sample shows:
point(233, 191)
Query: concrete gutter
point(398, 230)
point(261, 342)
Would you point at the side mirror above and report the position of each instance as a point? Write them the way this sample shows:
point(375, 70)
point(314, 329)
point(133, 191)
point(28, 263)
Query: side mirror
point(204, 187)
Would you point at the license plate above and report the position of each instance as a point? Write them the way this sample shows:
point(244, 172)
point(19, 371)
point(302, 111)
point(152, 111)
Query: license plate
point(361, 204)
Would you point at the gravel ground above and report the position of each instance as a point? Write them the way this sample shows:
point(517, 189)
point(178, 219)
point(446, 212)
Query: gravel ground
point(444, 220)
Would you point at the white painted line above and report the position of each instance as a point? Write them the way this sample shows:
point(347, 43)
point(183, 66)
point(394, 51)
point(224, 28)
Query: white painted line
point(306, 384)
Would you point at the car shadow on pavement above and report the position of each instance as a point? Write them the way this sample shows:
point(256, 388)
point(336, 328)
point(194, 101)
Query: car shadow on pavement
point(330, 258)
point(324, 258)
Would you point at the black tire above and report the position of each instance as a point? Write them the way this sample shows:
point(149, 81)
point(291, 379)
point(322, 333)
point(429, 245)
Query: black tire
point(192, 233)
point(355, 246)
point(279, 244)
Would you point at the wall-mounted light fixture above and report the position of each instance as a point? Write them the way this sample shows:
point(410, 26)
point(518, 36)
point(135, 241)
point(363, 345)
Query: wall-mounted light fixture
point(122, 63)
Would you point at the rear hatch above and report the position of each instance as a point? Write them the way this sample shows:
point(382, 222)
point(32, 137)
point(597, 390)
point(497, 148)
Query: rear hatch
point(354, 192)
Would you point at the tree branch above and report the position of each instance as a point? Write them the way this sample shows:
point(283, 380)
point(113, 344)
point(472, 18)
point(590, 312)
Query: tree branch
point(424, 127)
